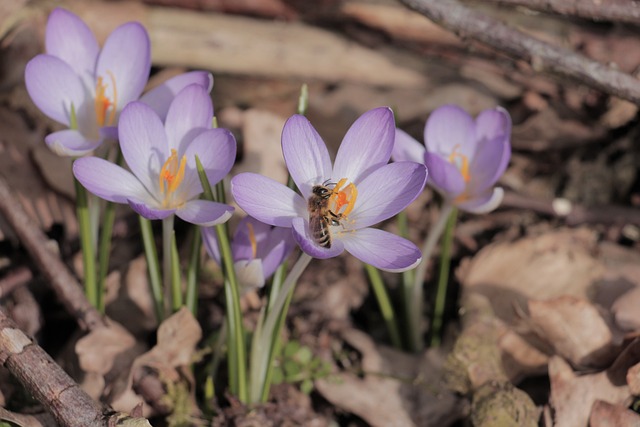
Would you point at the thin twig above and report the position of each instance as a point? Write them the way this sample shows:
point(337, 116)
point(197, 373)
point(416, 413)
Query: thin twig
point(65, 285)
point(469, 23)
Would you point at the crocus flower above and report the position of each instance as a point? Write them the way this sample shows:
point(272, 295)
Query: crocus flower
point(360, 190)
point(85, 88)
point(163, 178)
point(257, 249)
point(465, 157)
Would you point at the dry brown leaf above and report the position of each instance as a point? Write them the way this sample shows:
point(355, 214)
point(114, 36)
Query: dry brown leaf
point(604, 414)
point(97, 350)
point(576, 330)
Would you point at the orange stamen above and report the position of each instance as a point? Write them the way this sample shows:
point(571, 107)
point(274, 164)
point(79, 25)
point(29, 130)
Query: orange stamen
point(103, 105)
point(252, 240)
point(342, 197)
point(461, 162)
point(171, 175)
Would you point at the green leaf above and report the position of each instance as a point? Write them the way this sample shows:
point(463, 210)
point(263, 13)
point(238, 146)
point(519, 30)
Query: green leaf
point(306, 386)
point(304, 355)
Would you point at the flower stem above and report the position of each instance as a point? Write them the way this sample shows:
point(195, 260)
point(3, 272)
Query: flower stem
point(86, 244)
point(167, 233)
point(191, 294)
point(443, 279)
point(417, 294)
point(262, 352)
point(386, 308)
point(154, 267)
point(176, 283)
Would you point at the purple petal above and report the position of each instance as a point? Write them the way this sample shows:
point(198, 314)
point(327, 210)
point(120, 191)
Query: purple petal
point(53, 86)
point(305, 154)
point(382, 250)
point(70, 143)
point(126, 56)
point(444, 176)
point(267, 200)
point(69, 38)
point(484, 203)
point(210, 240)
point(302, 237)
point(204, 212)
point(190, 113)
point(216, 149)
point(490, 162)
point(149, 212)
point(272, 260)
point(160, 97)
point(450, 129)
point(387, 191)
point(242, 246)
point(406, 148)
point(366, 146)
point(143, 143)
point(108, 181)
point(493, 123)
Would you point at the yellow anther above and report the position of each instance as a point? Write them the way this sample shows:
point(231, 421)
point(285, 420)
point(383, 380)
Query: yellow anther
point(103, 105)
point(171, 174)
point(342, 197)
point(461, 162)
point(252, 240)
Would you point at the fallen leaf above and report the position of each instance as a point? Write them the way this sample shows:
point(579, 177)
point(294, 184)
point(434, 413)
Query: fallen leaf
point(604, 414)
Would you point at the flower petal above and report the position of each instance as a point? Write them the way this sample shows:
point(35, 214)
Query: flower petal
point(302, 237)
point(160, 97)
point(190, 113)
point(246, 239)
point(143, 143)
point(108, 181)
point(444, 176)
point(204, 212)
point(276, 255)
point(406, 148)
point(250, 274)
point(70, 39)
point(216, 149)
point(70, 143)
point(266, 199)
point(366, 146)
point(54, 87)
point(305, 154)
point(484, 203)
point(150, 212)
point(210, 240)
point(450, 129)
point(387, 191)
point(382, 249)
point(125, 57)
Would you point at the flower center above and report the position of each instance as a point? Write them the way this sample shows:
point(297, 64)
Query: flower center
point(105, 108)
point(252, 240)
point(171, 176)
point(343, 199)
point(461, 162)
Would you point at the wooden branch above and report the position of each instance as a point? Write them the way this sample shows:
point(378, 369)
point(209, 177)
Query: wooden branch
point(48, 383)
point(65, 285)
point(542, 56)
point(627, 11)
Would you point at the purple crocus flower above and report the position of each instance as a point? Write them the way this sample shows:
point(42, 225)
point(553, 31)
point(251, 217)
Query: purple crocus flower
point(163, 178)
point(85, 88)
point(257, 249)
point(465, 157)
point(360, 189)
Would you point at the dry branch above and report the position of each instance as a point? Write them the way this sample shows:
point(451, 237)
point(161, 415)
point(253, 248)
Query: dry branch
point(542, 56)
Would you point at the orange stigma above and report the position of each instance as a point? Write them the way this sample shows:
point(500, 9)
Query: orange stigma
point(105, 108)
point(252, 240)
point(343, 198)
point(461, 162)
point(171, 175)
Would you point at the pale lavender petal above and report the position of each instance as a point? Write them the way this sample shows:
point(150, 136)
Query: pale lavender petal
point(267, 200)
point(160, 97)
point(493, 123)
point(387, 191)
point(406, 148)
point(242, 246)
point(489, 164)
point(70, 143)
point(204, 212)
point(216, 149)
point(305, 154)
point(69, 38)
point(210, 240)
point(366, 146)
point(143, 143)
point(150, 212)
point(450, 129)
point(381, 249)
point(483, 203)
point(444, 176)
point(250, 274)
point(125, 57)
point(272, 260)
point(54, 87)
point(109, 132)
point(190, 113)
point(109, 181)
point(300, 228)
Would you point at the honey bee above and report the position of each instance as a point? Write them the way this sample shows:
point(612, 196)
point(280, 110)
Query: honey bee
point(320, 216)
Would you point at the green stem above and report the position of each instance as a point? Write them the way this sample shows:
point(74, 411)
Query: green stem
point(154, 267)
point(191, 295)
point(443, 280)
point(415, 307)
point(407, 287)
point(176, 285)
point(384, 303)
point(167, 233)
point(86, 244)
